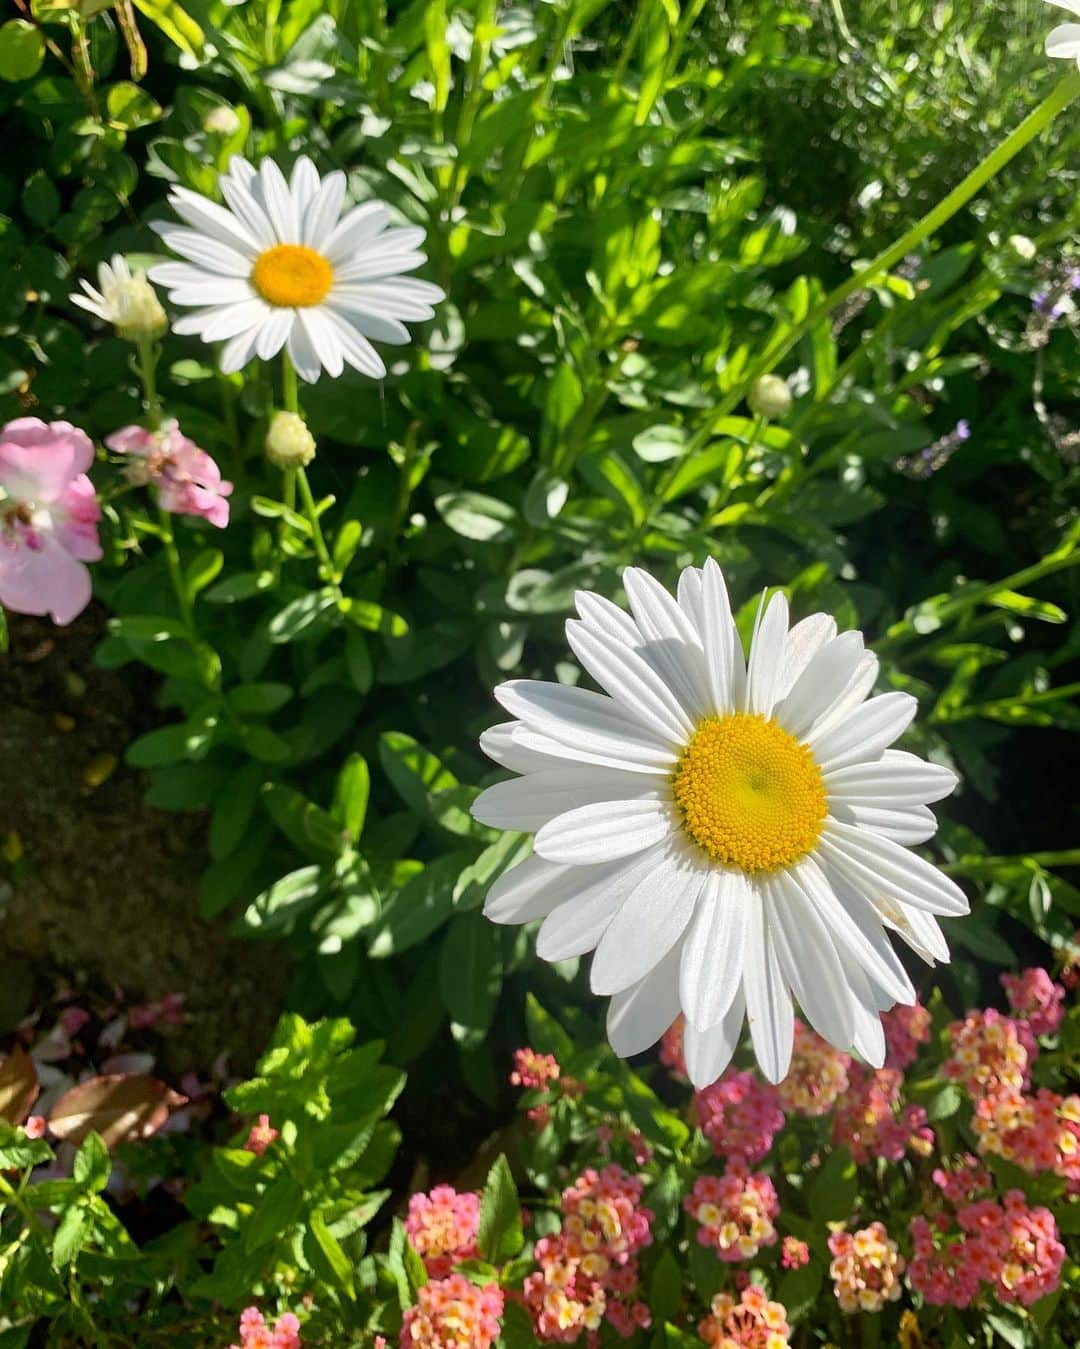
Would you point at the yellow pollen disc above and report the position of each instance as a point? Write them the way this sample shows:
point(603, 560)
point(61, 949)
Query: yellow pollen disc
point(292, 276)
point(750, 794)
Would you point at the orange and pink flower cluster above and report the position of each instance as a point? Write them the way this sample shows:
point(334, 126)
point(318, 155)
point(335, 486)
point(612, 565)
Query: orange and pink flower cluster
point(818, 1075)
point(749, 1322)
point(866, 1268)
point(256, 1334)
point(588, 1271)
point(734, 1212)
point(442, 1228)
point(453, 1313)
point(740, 1115)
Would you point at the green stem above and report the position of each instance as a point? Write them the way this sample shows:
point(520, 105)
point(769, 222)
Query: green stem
point(290, 401)
point(1063, 93)
point(147, 360)
point(975, 866)
point(176, 575)
point(308, 502)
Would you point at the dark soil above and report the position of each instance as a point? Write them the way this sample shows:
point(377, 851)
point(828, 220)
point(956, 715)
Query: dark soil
point(103, 893)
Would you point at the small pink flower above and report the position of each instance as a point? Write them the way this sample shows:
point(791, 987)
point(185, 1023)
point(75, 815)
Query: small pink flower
point(48, 518)
point(187, 479)
point(442, 1228)
point(795, 1254)
point(261, 1136)
point(35, 1126)
point(533, 1070)
point(255, 1333)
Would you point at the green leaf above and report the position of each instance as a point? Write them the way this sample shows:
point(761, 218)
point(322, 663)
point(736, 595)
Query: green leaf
point(92, 1166)
point(276, 909)
point(299, 616)
point(499, 1235)
point(258, 700)
point(275, 1213)
point(470, 973)
point(175, 22)
point(203, 568)
point(351, 793)
point(423, 904)
point(338, 1262)
point(414, 771)
point(374, 618)
point(835, 1188)
point(131, 107)
point(40, 199)
point(474, 516)
point(665, 1287)
point(22, 50)
point(70, 1236)
point(405, 1266)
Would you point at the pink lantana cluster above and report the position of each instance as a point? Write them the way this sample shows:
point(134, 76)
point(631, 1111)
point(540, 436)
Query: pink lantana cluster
point(534, 1070)
point(749, 1322)
point(256, 1334)
point(48, 518)
point(1010, 1248)
point(1035, 999)
point(794, 1253)
point(870, 1121)
point(988, 1055)
point(817, 1077)
point(442, 1228)
point(187, 480)
point(740, 1116)
point(734, 1212)
point(866, 1268)
point(453, 1313)
point(261, 1135)
point(588, 1271)
point(671, 1047)
point(906, 1028)
point(1040, 1132)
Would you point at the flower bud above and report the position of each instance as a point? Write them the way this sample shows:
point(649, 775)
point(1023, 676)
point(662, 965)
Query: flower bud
point(1023, 247)
point(769, 397)
point(126, 300)
point(221, 121)
point(289, 444)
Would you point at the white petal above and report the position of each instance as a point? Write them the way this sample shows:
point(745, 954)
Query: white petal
point(886, 871)
point(209, 253)
point(303, 355)
point(1064, 41)
point(498, 744)
point(854, 926)
point(355, 229)
point(863, 733)
point(869, 1038)
point(243, 205)
point(691, 596)
point(766, 657)
point(724, 664)
point(599, 893)
point(395, 298)
point(357, 350)
point(607, 619)
point(212, 291)
point(826, 674)
point(672, 646)
point(707, 1053)
point(369, 325)
point(639, 1016)
point(810, 961)
point(577, 722)
point(236, 353)
point(648, 924)
point(909, 826)
point(634, 685)
point(712, 960)
point(323, 336)
point(530, 890)
point(323, 211)
point(215, 324)
point(1073, 6)
point(529, 802)
point(210, 218)
point(917, 929)
point(858, 687)
point(768, 1002)
point(803, 641)
point(279, 203)
point(603, 832)
point(274, 333)
point(896, 779)
point(304, 183)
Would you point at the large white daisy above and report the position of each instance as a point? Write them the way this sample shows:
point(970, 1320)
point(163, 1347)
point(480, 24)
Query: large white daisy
point(280, 266)
point(726, 834)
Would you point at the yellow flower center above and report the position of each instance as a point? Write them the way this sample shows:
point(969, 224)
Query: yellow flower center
point(750, 794)
point(292, 276)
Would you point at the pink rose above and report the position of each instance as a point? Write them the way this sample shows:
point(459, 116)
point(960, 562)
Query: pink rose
point(48, 518)
point(187, 479)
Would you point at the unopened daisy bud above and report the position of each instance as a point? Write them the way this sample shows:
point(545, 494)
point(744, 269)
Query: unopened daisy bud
point(289, 444)
point(769, 397)
point(126, 300)
point(221, 121)
point(1022, 246)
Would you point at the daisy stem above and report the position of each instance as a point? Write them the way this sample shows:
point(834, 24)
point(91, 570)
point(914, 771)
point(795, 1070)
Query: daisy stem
point(176, 575)
point(147, 359)
point(290, 401)
point(321, 550)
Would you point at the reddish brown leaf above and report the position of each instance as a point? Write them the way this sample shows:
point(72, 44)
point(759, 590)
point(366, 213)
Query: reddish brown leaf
point(122, 1107)
point(18, 1086)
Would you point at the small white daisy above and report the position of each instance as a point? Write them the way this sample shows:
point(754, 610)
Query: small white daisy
point(1064, 41)
point(125, 299)
point(723, 833)
point(280, 266)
